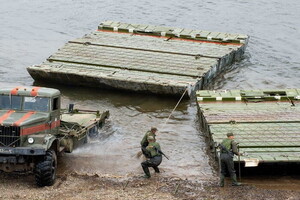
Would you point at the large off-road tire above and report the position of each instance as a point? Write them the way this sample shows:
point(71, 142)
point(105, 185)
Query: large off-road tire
point(93, 132)
point(45, 170)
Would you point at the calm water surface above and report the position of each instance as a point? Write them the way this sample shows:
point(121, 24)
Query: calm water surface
point(32, 30)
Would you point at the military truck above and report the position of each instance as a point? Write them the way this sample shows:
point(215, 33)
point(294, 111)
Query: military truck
point(34, 130)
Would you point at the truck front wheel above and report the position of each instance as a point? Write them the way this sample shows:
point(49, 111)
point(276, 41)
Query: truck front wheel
point(45, 170)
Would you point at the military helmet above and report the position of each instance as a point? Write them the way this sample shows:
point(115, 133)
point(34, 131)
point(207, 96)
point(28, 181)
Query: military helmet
point(229, 134)
point(153, 129)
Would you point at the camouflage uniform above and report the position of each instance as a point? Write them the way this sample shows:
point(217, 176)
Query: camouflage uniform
point(153, 150)
point(227, 160)
point(144, 142)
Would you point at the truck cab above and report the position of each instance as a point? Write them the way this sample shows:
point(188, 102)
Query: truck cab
point(32, 131)
point(25, 111)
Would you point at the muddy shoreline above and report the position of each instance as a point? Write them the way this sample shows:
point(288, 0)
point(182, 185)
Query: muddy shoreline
point(94, 186)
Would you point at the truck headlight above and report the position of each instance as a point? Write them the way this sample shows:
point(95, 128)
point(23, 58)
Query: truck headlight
point(30, 140)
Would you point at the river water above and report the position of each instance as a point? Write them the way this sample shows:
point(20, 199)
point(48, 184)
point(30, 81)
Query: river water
point(32, 30)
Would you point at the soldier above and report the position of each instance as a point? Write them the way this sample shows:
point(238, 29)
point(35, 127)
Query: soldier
point(155, 157)
point(228, 149)
point(144, 142)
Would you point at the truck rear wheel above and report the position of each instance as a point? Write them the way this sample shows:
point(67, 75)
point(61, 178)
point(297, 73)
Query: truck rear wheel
point(45, 170)
point(93, 132)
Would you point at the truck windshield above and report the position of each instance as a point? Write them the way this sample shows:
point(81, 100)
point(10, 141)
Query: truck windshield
point(10, 102)
point(36, 104)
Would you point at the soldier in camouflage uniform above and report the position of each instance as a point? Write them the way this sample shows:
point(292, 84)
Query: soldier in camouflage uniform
point(155, 157)
point(228, 149)
point(144, 142)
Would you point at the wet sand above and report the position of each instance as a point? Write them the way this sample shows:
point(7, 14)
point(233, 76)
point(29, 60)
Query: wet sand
point(94, 186)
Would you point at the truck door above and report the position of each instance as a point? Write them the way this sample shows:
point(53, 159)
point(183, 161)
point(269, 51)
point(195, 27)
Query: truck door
point(55, 114)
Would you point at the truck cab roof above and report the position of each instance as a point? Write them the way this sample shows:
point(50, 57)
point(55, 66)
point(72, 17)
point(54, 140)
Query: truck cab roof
point(30, 91)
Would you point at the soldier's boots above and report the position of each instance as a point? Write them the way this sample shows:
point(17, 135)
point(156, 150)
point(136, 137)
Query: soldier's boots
point(222, 180)
point(147, 173)
point(236, 184)
point(146, 170)
point(146, 176)
point(156, 169)
point(234, 181)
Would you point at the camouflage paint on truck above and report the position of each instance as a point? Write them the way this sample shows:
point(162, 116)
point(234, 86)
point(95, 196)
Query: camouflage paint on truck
point(34, 129)
point(25, 112)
